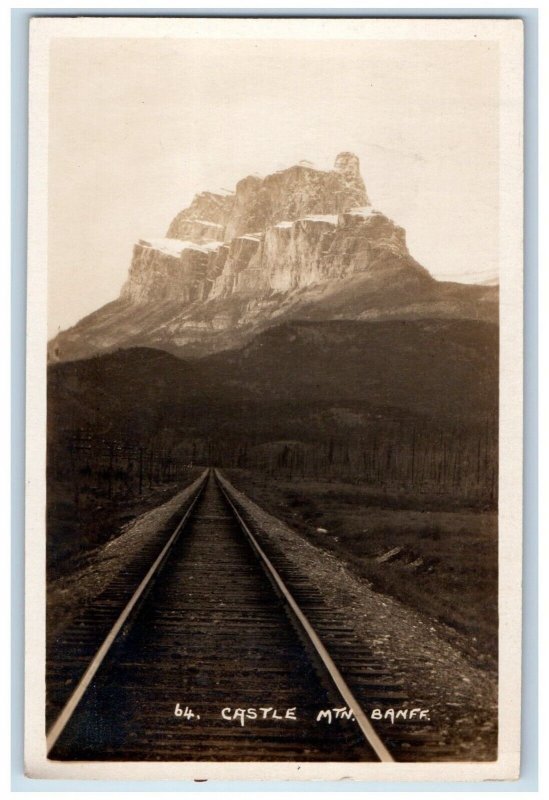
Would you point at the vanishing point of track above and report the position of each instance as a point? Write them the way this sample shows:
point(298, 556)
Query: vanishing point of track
point(208, 651)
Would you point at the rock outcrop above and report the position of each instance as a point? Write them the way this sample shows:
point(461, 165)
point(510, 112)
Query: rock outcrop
point(258, 203)
point(298, 242)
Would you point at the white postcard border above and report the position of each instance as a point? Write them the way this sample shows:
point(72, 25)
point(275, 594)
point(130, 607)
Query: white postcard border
point(509, 36)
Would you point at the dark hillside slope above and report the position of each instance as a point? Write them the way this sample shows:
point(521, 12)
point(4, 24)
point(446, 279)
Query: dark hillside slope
point(284, 380)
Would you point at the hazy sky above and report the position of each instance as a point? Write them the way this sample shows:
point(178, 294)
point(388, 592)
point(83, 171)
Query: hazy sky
point(138, 126)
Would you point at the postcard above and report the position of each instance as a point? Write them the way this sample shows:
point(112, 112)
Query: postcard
point(274, 420)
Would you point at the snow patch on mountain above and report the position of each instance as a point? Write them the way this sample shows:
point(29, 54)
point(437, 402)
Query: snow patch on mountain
point(175, 247)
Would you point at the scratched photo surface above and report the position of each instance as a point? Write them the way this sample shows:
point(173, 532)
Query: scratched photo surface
point(272, 420)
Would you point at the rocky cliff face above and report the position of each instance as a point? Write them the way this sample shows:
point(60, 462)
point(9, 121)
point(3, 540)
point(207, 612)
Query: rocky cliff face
point(287, 244)
point(290, 230)
point(258, 203)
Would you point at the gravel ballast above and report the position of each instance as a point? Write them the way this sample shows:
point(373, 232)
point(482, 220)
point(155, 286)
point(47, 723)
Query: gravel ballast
point(435, 674)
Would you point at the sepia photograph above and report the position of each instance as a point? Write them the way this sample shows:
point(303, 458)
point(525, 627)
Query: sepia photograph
point(274, 429)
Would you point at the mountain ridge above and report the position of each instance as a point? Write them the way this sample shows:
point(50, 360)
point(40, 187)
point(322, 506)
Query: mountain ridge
point(299, 243)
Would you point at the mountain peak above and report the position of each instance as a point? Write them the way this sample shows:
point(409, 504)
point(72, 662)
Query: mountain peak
point(301, 241)
point(348, 164)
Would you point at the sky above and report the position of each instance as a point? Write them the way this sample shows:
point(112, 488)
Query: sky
point(138, 126)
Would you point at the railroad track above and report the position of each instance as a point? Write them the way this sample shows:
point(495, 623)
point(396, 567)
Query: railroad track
point(214, 647)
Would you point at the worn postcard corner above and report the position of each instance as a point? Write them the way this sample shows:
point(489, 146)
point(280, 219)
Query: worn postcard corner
point(274, 419)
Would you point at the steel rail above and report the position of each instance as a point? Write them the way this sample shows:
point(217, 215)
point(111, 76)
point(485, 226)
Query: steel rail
point(70, 706)
point(337, 678)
